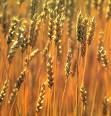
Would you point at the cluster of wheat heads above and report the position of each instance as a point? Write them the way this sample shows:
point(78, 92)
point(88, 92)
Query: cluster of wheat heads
point(55, 58)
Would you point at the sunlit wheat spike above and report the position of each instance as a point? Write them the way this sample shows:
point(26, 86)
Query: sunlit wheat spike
point(20, 35)
point(41, 97)
point(53, 61)
point(3, 91)
point(91, 31)
point(105, 106)
point(12, 50)
point(70, 12)
point(30, 57)
point(81, 29)
point(46, 49)
point(36, 16)
point(59, 48)
point(34, 7)
point(51, 24)
point(103, 57)
point(58, 26)
point(81, 32)
point(68, 62)
point(101, 54)
point(22, 38)
point(69, 8)
point(84, 95)
point(46, 8)
point(50, 71)
point(101, 43)
point(34, 28)
point(78, 28)
point(12, 30)
point(19, 41)
point(17, 86)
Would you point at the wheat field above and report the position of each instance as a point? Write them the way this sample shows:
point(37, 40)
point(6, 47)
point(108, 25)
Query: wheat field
point(55, 57)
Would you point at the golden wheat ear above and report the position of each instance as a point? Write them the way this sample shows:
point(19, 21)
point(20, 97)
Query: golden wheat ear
point(81, 32)
point(68, 62)
point(17, 86)
point(3, 91)
point(83, 95)
point(30, 57)
point(40, 101)
point(101, 53)
point(70, 12)
point(91, 31)
point(12, 30)
point(50, 71)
